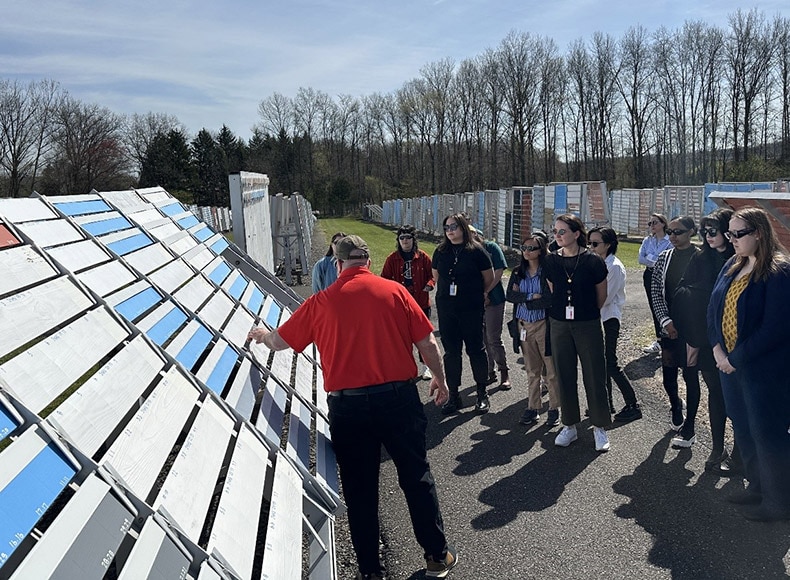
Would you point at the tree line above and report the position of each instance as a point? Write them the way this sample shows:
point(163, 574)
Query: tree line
point(685, 106)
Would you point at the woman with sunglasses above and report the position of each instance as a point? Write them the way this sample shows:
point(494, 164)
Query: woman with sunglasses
point(410, 266)
point(668, 308)
point(325, 269)
point(747, 325)
point(652, 246)
point(463, 273)
point(691, 304)
point(603, 242)
point(528, 290)
point(578, 285)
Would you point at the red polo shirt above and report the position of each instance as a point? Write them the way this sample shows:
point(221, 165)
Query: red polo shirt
point(364, 327)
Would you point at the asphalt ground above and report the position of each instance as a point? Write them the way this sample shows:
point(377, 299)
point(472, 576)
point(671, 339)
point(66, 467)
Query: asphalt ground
point(515, 506)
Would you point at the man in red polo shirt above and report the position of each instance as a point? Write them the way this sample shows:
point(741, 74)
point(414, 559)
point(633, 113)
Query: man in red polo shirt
point(364, 327)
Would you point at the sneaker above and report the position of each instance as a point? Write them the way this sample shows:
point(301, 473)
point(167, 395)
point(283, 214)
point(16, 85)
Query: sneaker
point(685, 439)
point(426, 374)
point(439, 568)
point(654, 348)
point(553, 417)
point(601, 439)
point(676, 417)
point(483, 405)
point(567, 436)
point(530, 416)
point(452, 405)
point(628, 413)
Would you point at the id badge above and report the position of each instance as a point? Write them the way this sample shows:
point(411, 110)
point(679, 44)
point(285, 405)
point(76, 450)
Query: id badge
point(569, 312)
point(453, 289)
point(523, 334)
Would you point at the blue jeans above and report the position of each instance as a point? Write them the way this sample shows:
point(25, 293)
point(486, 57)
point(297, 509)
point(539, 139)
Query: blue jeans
point(360, 425)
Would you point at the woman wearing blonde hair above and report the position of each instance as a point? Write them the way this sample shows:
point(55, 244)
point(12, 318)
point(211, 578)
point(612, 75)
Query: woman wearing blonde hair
point(747, 320)
point(652, 246)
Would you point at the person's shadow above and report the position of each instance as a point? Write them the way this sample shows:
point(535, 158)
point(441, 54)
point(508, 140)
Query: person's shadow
point(696, 533)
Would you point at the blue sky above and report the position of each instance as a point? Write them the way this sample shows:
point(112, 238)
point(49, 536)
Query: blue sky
point(212, 62)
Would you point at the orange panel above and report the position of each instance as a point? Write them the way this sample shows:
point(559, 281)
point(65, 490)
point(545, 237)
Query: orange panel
point(7, 238)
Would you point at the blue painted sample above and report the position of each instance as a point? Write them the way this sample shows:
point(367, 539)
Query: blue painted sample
point(238, 287)
point(130, 244)
point(273, 316)
point(219, 273)
point(26, 497)
point(172, 209)
point(7, 422)
point(141, 302)
point(188, 222)
point(194, 347)
point(219, 376)
point(255, 301)
point(165, 328)
point(203, 233)
point(72, 208)
point(219, 246)
point(106, 226)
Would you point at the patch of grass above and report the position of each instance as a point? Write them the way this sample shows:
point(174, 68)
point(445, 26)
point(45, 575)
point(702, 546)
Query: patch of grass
point(380, 239)
point(628, 252)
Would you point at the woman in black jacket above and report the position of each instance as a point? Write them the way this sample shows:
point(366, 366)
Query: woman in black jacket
point(529, 292)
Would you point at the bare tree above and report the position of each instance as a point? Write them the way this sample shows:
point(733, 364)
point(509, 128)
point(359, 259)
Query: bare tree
point(277, 115)
point(139, 131)
point(782, 36)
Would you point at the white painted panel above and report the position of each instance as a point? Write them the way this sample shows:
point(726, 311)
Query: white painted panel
point(304, 377)
point(124, 294)
point(20, 210)
point(38, 375)
point(79, 255)
point(238, 327)
point(127, 200)
point(199, 256)
point(172, 276)
point(236, 525)
point(281, 365)
point(182, 338)
point(282, 554)
point(216, 311)
point(32, 312)
point(145, 217)
point(171, 236)
point(53, 199)
point(149, 258)
point(194, 293)
point(187, 491)
point(96, 217)
point(244, 388)
point(107, 278)
point(91, 413)
point(158, 314)
point(22, 266)
point(140, 451)
point(230, 280)
point(117, 236)
point(51, 232)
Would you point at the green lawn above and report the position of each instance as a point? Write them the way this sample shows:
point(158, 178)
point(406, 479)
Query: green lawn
point(382, 241)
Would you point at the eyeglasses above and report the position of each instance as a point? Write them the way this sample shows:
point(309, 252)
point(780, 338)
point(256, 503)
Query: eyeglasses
point(561, 232)
point(739, 233)
point(712, 232)
point(596, 244)
point(405, 237)
point(671, 232)
point(450, 227)
point(526, 248)
point(653, 222)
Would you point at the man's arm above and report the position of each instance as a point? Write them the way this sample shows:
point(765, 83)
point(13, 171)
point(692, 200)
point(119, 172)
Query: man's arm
point(271, 338)
point(432, 357)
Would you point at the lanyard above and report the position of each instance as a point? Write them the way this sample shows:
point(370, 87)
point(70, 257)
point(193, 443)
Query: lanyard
point(570, 275)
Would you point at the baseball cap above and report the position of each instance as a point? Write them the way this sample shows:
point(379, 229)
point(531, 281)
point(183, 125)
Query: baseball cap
point(352, 248)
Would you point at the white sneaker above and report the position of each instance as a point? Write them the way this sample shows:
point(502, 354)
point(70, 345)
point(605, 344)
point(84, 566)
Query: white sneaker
point(654, 348)
point(567, 436)
point(426, 374)
point(601, 439)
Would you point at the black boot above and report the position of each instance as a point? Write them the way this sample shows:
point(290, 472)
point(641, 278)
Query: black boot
point(482, 405)
point(453, 403)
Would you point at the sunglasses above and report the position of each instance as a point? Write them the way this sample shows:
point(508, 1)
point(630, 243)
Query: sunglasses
point(653, 222)
point(405, 237)
point(596, 244)
point(712, 232)
point(450, 227)
point(671, 232)
point(561, 232)
point(526, 248)
point(739, 233)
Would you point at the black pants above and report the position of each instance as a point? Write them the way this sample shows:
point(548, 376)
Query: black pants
point(611, 333)
point(456, 329)
point(647, 280)
point(691, 378)
point(360, 425)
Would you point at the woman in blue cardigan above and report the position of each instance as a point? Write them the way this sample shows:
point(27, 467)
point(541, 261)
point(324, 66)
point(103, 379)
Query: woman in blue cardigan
point(748, 316)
